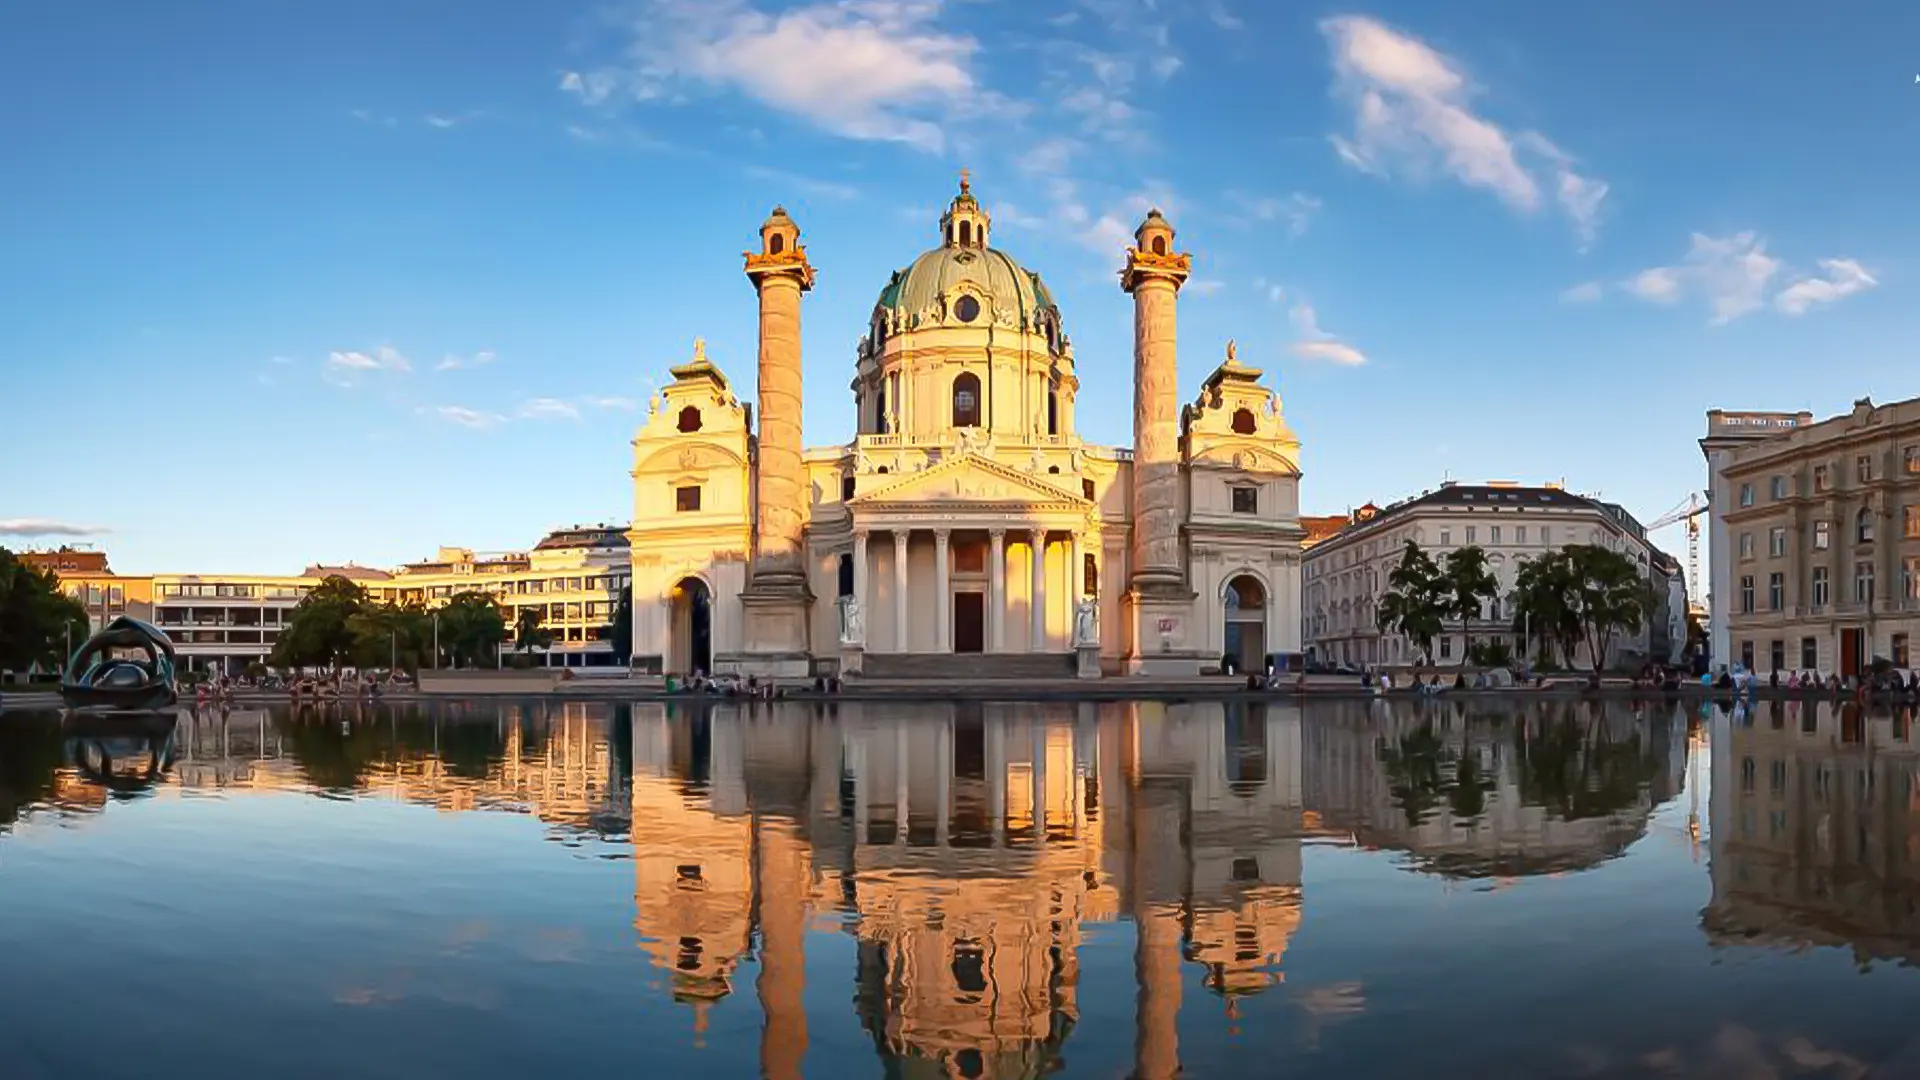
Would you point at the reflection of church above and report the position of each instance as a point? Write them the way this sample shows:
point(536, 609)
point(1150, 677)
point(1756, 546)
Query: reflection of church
point(1815, 830)
point(971, 851)
point(966, 515)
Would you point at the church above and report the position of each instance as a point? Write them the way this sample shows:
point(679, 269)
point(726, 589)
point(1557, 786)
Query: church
point(965, 529)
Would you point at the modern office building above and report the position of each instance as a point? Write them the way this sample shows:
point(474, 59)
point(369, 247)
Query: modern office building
point(1816, 539)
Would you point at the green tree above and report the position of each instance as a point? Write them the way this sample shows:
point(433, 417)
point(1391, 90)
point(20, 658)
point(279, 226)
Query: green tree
point(319, 633)
point(472, 628)
point(391, 635)
point(37, 620)
point(1416, 598)
point(1467, 584)
point(1544, 605)
point(1612, 597)
point(528, 634)
point(621, 632)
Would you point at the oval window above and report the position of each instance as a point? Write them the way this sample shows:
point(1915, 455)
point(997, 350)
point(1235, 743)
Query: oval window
point(966, 309)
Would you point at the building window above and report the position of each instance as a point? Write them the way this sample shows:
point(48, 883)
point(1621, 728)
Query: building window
point(1902, 652)
point(1053, 411)
point(1863, 468)
point(1519, 534)
point(1089, 575)
point(686, 500)
point(1820, 590)
point(690, 419)
point(1470, 534)
point(1246, 500)
point(1810, 653)
point(1776, 591)
point(1159, 245)
point(1493, 535)
point(1746, 655)
point(1910, 579)
point(1822, 535)
point(846, 574)
point(1863, 526)
point(967, 308)
point(1863, 582)
point(1446, 537)
point(1820, 478)
point(846, 487)
point(1779, 488)
point(880, 423)
point(1243, 422)
point(1911, 457)
point(1777, 542)
point(1746, 545)
point(776, 244)
point(1086, 490)
point(1910, 521)
point(966, 400)
point(1446, 648)
point(1746, 494)
point(1777, 654)
point(1746, 595)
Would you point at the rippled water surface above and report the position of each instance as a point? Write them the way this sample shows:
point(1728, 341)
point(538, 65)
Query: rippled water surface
point(1205, 890)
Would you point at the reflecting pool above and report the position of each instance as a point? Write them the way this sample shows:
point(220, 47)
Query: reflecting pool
point(1347, 889)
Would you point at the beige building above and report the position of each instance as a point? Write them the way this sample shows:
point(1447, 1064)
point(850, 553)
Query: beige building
point(966, 515)
point(1817, 537)
point(1345, 575)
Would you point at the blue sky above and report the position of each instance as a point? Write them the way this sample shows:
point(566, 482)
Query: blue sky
point(292, 283)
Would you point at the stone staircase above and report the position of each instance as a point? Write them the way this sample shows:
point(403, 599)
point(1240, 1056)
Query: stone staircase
point(963, 666)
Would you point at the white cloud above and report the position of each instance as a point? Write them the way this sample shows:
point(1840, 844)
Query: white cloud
point(27, 526)
point(283, 361)
point(467, 418)
point(435, 120)
point(547, 408)
point(1730, 273)
point(1204, 286)
point(1844, 277)
point(1317, 344)
point(863, 69)
point(451, 362)
point(1296, 209)
point(1412, 115)
point(623, 404)
point(344, 367)
point(1586, 292)
point(1048, 156)
point(1273, 290)
point(830, 189)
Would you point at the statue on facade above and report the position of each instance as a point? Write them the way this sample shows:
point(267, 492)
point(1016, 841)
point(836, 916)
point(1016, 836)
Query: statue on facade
point(1086, 623)
point(127, 667)
point(851, 632)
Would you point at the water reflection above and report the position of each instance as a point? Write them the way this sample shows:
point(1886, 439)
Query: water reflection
point(1154, 889)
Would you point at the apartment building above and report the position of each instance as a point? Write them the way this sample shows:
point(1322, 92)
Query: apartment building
point(1821, 528)
point(1345, 575)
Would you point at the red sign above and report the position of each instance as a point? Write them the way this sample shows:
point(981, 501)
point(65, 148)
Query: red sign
point(1167, 625)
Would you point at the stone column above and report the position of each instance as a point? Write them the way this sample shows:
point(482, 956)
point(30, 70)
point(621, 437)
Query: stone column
point(1037, 599)
point(861, 568)
point(776, 598)
point(943, 598)
point(997, 591)
point(900, 637)
point(1076, 575)
point(1159, 595)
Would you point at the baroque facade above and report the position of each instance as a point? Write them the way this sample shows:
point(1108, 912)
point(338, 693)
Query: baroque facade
point(966, 514)
point(1816, 538)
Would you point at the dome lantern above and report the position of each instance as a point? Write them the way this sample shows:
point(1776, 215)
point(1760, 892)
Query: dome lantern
point(965, 223)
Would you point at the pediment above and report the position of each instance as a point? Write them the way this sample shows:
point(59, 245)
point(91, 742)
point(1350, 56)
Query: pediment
point(970, 480)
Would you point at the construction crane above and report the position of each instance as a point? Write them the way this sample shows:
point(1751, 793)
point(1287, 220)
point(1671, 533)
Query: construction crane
point(1689, 512)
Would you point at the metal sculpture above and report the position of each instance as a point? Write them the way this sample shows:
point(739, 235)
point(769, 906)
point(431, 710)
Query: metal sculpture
point(102, 675)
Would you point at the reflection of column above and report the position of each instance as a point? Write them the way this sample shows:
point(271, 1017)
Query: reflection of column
point(900, 754)
point(997, 778)
point(942, 597)
point(900, 590)
point(997, 591)
point(1039, 781)
point(1037, 599)
point(1156, 966)
point(782, 880)
point(943, 767)
point(857, 765)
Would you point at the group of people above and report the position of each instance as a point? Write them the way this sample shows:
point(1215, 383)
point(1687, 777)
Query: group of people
point(1890, 683)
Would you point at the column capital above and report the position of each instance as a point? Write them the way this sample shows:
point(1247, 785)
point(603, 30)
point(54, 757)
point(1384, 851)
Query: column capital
point(942, 536)
point(900, 537)
point(997, 534)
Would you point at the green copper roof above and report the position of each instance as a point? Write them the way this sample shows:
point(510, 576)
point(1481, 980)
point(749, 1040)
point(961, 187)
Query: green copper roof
point(1002, 282)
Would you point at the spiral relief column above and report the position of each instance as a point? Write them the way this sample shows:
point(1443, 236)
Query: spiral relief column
point(1158, 598)
point(777, 599)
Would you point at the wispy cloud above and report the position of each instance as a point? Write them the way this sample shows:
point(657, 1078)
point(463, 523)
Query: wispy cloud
point(622, 404)
point(1586, 292)
point(450, 362)
point(368, 116)
point(1844, 277)
point(1205, 286)
point(29, 526)
point(829, 189)
point(1317, 344)
point(1413, 114)
point(446, 121)
point(345, 368)
point(863, 69)
point(1730, 273)
point(547, 408)
point(1296, 209)
point(477, 419)
point(1272, 290)
point(533, 410)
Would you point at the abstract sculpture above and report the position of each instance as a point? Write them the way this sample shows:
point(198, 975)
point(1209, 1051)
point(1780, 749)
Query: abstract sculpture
point(101, 676)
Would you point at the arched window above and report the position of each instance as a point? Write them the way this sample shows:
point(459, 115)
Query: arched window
point(1089, 575)
point(690, 418)
point(966, 233)
point(880, 409)
point(776, 244)
point(1053, 470)
point(1243, 422)
point(1863, 526)
point(1244, 593)
point(1159, 245)
point(966, 400)
point(846, 575)
point(846, 487)
point(1053, 411)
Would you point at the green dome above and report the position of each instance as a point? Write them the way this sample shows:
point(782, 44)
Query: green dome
point(1002, 284)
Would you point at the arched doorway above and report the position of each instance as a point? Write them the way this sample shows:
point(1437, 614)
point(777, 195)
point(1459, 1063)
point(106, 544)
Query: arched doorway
point(690, 641)
point(1246, 624)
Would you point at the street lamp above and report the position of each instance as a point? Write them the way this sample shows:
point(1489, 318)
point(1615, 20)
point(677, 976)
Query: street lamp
point(436, 641)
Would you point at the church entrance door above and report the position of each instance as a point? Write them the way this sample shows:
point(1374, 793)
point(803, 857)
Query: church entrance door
point(969, 622)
